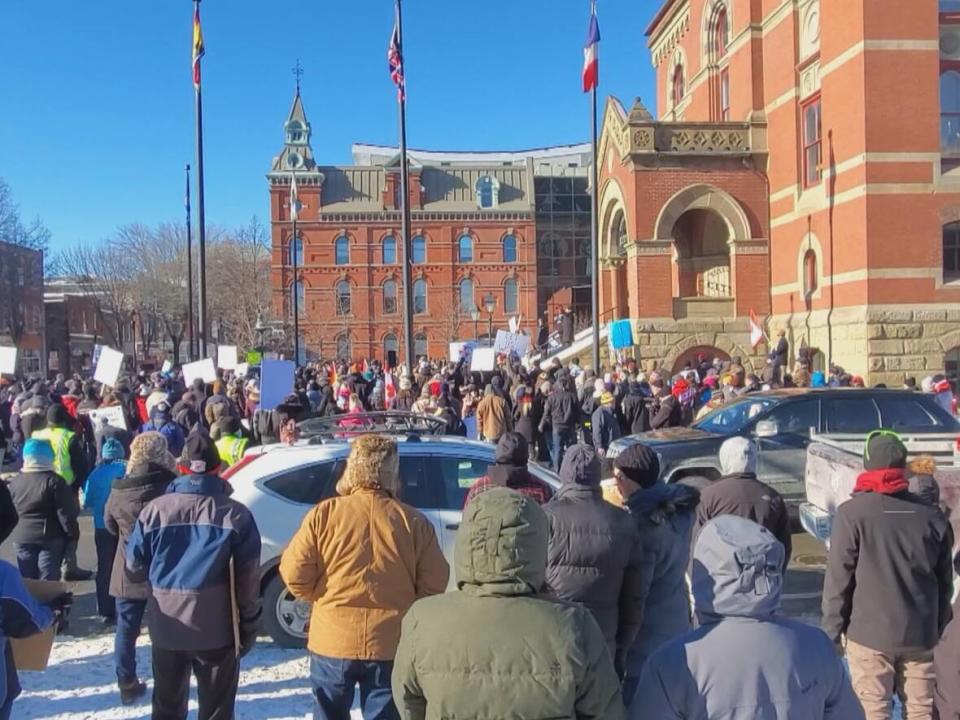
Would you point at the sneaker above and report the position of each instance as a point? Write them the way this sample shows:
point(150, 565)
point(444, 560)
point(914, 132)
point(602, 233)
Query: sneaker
point(131, 692)
point(77, 575)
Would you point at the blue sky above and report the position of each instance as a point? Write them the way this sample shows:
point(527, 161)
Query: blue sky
point(97, 119)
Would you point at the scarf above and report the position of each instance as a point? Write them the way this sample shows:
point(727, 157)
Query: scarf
point(886, 481)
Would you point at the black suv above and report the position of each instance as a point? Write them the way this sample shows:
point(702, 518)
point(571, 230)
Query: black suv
point(781, 422)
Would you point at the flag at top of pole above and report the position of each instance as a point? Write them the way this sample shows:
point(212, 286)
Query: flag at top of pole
point(395, 62)
point(198, 48)
point(294, 199)
point(591, 53)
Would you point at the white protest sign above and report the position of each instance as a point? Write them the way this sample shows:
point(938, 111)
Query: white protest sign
point(202, 369)
point(508, 342)
point(166, 367)
point(483, 359)
point(112, 416)
point(108, 366)
point(461, 351)
point(241, 369)
point(8, 360)
point(227, 357)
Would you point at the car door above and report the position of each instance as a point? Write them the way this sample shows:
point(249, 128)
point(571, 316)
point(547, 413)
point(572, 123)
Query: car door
point(418, 489)
point(783, 458)
point(851, 414)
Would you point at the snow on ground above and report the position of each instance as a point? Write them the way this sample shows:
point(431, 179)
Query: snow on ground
point(80, 684)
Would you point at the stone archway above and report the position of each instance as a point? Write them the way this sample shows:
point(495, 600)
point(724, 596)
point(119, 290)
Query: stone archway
point(703, 197)
point(690, 356)
point(717, 341)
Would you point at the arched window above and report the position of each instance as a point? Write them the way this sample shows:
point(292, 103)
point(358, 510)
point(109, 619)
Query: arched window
point(809, 273)
point(419, 250)
point(390, 345)
point(343, 298)
point(419, 296)
point(720, 33)
point(295, 251)
point(950, 111)
point(951, 251)
point(294, 131)
point(344, 351)
point(678, 88)
point(488, 190)
point(342, 251)
point(390, 297)
point(297, 291)
point(511, 300)
point(467, 302)
point(389, 250)
point(420, 345)
point(465, 254)
point(620, 233)
point(509, 248)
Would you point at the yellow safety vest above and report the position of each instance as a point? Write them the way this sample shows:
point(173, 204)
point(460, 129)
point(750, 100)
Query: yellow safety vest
point(59, 439)
point(230, 448)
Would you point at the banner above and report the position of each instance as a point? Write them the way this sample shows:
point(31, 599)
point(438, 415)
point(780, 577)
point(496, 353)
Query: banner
point(8, 360)
point(621, 334)
point(276, 382)
point(483, 359)
point(108, 366)
point(112, 416)
point(202, 369)
point(462, 351)
point(254, 357)
point(226, 357)
point(511, 343)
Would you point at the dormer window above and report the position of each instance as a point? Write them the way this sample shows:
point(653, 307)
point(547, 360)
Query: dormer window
point(488, 192)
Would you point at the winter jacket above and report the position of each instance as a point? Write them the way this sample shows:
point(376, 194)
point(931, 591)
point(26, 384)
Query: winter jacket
point(514, 477)
point(562, 411)
point(99, 484)
point(498, 647)
point(493, 417)
point(605, 427)
point(566, 328)
point(185, 541)
point(889, 573)
point(8, 512)
point(595, 559)
point(667, 413)
point(744, 661)
point(946, 662)
point(636, 414)
point(20, 617)
point(128, 496)
point(745, 496)
point(664, 515)
point(47, 507)
point(171, 432)
point(362, 559)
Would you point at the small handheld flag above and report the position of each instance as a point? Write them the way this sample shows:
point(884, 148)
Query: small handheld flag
point(756, 330)
point(198, 49)
point(591, 53)
point(395, 62)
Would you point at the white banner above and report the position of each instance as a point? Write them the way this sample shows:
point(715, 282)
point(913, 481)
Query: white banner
point(8, 360)
point(483, 359)
point(508, 342)
point(112, 415)
point(462, 351)
point(227, 357)
point(202, 369)
point(108, 366)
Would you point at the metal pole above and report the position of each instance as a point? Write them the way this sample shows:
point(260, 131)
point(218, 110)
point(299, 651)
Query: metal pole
point(405, 210)
point(594, 249)
point(201, 226)
point(296, 288)
point(190, 337)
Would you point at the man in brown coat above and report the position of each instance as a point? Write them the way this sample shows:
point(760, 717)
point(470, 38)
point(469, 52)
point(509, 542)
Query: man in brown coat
point(362, 559)
point(493, 416)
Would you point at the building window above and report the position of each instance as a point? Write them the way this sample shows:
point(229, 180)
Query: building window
point(295, 251)
point(488, 191)
point(950, 111)
point(725, 95)
point(420, 345)
point(465, 254)
point(294, 132)
point(343, 297)
point(419, 250)
point(467, 302)
point(809, 273)
point(389, 297)
point(509, 248)
point(30, 361)
point(811, 142)
point(389, 250)
point(720, 33)
point(419, 296)
point(342, 251)
point(297, 291)
point(390, 345)
point(951, 251)
point(510, 297)
point(678, 88)
point(344, 351)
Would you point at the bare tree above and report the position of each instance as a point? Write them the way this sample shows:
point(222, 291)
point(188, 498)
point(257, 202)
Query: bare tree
point(107, 271)
point(15, 234)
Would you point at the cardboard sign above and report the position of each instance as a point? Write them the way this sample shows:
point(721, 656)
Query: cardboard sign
point(226, 357)
point(108, 366)
point(241, 370)
point(112, 416)
point(462, 351)
point(202, 369)
point(33, 653)
point(511, 343)
point(8, 360)
point(166, 367)
point(483, 359)
point(276, 382)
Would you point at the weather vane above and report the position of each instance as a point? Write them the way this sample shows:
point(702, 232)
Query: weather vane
point(298, 73)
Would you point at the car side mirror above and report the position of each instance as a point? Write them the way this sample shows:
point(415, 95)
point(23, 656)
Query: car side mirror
point(766, 429)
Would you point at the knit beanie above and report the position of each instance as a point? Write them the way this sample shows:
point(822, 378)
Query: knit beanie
point(37, 456)
point(57, 415)
point(112, 450)
point(639, 464)
point(884, 451)
point(738, 455)
point(200, 455)
point(150, 448)
point(581, 466)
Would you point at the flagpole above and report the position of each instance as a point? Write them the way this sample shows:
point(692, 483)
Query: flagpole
point(405, 210)
point(190, 338)
point(294, 212)
point(594, 246)
point(201, 225)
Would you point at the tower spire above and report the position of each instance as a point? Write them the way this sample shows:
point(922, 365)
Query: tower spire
point(298, 73)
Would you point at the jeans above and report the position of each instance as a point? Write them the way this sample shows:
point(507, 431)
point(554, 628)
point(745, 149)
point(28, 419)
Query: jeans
point(106, 549)
point(129, 621)
point(40, 561)
point(562, 439)
point(876, 677)
point(217, 671)
point(334, 679)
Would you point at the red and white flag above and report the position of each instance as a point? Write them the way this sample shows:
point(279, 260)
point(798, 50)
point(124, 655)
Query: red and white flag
point(395, 62)
point(591, 53)
point(756, 330)
point(390, 390)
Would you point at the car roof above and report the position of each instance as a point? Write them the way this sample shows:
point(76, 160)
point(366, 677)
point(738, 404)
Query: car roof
point(798, 392)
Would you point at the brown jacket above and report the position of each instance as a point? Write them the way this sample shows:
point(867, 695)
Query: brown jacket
point(493, 417)
point(362, 559)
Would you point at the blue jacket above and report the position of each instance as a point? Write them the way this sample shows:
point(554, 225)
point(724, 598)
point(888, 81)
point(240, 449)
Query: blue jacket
point(20, 616)
point(171, 432)
point(185, 541)
point(97, 490)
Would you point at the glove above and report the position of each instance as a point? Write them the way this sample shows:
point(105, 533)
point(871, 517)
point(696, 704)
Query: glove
point(61, 607)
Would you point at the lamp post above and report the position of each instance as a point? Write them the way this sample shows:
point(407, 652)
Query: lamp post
point(489, 304)
point(475, 314)
point(133, 333)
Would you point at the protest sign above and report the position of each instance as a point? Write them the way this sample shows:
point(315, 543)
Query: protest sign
point(483, 359)
point(276, 382)
point(461, 351)
point(8, 360)
point(112, 416)
point(241, 369)
point(202, 369)
point(108, 366)
point(254, 357)
point(226, 357)
point(511, 343)
point(166, 367)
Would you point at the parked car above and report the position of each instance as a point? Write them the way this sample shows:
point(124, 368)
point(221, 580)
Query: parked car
point(282, 485)
point(781, 422)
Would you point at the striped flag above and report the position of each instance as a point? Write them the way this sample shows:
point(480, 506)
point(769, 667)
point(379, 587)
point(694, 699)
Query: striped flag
point(295, 205)
point(395, 62)
point(591, 53)
point(756, 330)
point(198, 48)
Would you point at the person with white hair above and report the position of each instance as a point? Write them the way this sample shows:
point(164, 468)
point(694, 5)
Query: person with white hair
point(739, 492)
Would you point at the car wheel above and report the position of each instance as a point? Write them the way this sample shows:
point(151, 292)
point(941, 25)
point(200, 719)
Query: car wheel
point(285, 618)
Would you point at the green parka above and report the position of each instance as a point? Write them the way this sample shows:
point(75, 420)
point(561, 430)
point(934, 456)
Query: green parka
point(497, 647)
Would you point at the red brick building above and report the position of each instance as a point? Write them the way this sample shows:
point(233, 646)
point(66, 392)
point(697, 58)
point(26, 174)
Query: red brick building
point(21, 305)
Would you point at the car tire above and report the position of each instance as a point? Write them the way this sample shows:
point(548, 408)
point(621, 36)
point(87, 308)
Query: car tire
point(283, 615)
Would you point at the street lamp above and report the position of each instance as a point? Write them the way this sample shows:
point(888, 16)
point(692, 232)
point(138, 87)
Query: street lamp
point(475, 314)
point(133, 332)
point(489, 304)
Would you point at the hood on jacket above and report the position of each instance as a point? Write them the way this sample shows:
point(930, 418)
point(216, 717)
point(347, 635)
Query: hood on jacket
point(501, 546)
point(737, 570)
point(581, 466)
point(738, 455)
point(661, 502)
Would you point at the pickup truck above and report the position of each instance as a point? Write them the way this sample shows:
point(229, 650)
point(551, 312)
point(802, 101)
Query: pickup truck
point(835, 461)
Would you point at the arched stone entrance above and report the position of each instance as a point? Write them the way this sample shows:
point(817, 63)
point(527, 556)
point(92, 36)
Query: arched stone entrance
point(691, 356)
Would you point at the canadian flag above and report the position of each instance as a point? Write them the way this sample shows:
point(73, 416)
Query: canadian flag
point(390, 389)
point(756, 330)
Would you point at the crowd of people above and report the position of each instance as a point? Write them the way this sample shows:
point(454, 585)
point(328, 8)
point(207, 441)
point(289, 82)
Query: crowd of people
point(566, 604)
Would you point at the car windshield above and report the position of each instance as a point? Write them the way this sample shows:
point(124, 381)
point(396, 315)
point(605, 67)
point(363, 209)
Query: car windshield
point(732, 418)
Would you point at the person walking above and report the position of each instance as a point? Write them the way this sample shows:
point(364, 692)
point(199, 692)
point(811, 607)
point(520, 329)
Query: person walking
point(149, 472)
point(604, 424)
point(200, 551)
point(664, 515)
point(739, 492)
point(99, 484)
point(493, 416)
point(510, 469)
point(161, 421)
point(888, 584)
point(48, 511)
point(232, 443)
point(594, 555)
point(362, 559)
point(562, 413)
point(635, 409)
point(519, 652)
point(784, 668)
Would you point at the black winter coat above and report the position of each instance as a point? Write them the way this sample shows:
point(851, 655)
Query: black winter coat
point(667, 413)
point(47, 507)
point(595, 558)
point(636, 414)
point(562, 410)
